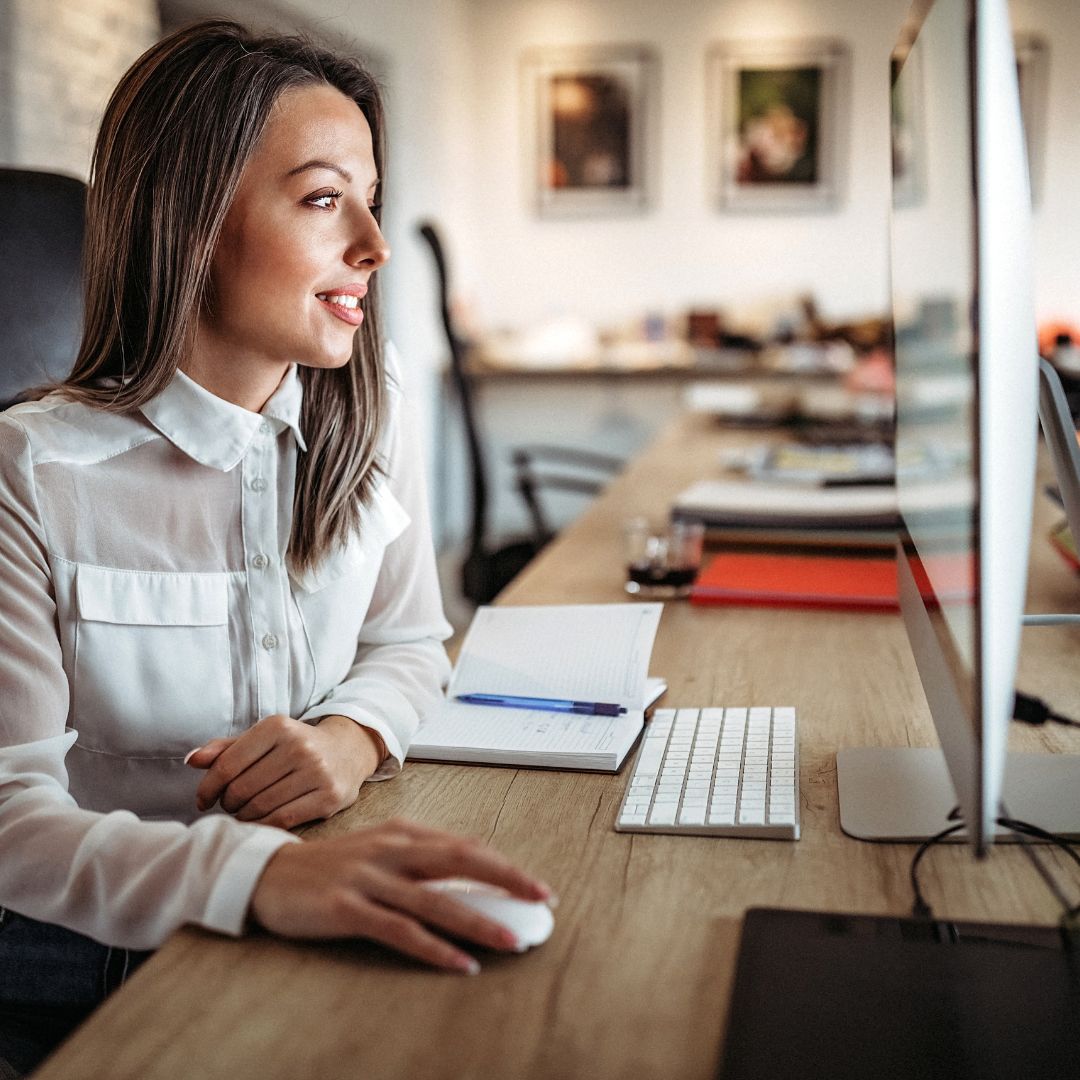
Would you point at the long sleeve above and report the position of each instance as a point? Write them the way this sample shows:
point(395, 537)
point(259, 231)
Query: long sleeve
point(401, 666)
point(118, 879)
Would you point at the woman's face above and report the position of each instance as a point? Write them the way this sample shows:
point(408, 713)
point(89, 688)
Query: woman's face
point(298, 247)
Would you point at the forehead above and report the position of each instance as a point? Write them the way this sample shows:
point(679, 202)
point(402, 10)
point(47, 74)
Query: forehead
point(315, 122)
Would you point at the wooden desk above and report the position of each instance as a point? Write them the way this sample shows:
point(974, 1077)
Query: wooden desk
point(635, 981)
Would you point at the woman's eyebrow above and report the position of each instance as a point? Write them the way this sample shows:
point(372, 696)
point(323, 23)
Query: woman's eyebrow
point(318, 163)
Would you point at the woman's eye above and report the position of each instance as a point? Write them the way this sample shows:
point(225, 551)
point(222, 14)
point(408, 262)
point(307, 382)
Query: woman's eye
point(325, 200)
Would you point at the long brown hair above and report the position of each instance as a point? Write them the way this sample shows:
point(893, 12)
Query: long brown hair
point(173, 144)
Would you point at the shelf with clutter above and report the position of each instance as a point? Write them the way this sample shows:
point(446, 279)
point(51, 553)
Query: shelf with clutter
point(781, 337)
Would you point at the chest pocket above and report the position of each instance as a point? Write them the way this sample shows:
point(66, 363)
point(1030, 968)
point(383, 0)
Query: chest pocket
point(334, 598)
point(152, 671)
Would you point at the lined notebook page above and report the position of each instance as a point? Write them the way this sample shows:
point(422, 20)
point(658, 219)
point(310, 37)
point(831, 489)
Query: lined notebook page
point(524, 730)
point(592, 652)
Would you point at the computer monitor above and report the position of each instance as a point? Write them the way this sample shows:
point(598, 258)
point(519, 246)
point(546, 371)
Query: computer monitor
point(967, 400)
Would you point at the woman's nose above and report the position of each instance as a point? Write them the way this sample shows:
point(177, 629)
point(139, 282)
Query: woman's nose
point(369, 248)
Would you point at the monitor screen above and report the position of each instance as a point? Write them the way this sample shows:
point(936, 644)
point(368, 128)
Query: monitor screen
point(967, 381)
point(935, 305)
point(966, 390)
point(935, 311)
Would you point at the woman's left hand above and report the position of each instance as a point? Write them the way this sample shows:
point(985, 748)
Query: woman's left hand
point(284, 772)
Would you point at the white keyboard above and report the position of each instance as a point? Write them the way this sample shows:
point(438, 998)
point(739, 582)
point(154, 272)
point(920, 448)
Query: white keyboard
point(716, 772)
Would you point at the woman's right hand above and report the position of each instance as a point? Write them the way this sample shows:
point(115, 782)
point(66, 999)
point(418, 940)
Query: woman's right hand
point(368, 884)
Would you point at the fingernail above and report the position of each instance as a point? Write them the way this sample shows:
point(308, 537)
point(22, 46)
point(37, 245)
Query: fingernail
point(509, 940)
point(191, 754)
point(468, 966)
point(552, 901)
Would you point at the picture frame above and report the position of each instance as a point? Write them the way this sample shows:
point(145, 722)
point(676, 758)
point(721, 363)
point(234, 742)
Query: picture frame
point(778, 123)
point(591, 129)
point(1033, 74)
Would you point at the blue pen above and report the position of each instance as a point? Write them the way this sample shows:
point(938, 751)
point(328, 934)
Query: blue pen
point(585, 708)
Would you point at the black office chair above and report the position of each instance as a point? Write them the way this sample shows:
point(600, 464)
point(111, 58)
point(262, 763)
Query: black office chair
point(42, 218)
point(488, 569)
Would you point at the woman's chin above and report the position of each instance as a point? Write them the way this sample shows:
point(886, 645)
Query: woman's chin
point(326, 362)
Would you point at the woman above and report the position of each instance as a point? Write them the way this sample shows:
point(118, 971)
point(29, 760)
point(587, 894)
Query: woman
point(217, 587)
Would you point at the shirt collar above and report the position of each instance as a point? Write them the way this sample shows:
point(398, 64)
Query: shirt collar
point(215, 432)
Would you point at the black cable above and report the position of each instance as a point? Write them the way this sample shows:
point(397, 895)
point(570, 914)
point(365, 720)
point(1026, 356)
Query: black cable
point(1032, 710)
point(1070, 917)
point(920, 909)
point(1023, 829)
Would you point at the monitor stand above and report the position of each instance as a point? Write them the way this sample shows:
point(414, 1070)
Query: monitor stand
point(905, 794)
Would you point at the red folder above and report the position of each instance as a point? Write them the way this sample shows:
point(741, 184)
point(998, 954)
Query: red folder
point(821, 581)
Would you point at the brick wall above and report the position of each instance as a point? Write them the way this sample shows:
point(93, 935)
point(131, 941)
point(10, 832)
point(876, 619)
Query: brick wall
point(59, 62)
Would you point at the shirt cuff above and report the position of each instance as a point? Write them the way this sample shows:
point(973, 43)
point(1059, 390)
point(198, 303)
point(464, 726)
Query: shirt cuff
point(227, 906)
point(395, 752)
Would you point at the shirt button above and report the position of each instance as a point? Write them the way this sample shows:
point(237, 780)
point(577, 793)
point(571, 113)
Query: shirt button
point(265, 428)
point(258, 484)
point(269, 641)
point(261, 562)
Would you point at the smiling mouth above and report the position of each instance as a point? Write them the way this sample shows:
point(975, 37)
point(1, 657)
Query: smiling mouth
point(340, 299)
point(342, 306)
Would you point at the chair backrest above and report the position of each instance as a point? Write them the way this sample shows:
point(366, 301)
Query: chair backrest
point(464, 390)
point(42, 218)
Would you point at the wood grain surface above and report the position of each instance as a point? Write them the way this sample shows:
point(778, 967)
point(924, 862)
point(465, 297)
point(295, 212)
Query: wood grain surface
point(635, 980)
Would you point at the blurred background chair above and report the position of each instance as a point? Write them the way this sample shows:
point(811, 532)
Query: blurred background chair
point(489, 566)
point(42, 217)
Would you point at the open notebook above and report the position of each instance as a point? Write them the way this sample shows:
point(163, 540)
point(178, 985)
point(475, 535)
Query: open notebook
point(580, 652)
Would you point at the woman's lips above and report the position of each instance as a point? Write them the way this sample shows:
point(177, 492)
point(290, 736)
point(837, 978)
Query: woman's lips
point(351, 315)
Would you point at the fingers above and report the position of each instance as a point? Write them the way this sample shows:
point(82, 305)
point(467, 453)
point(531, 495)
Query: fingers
point(441, 910)
point(242, 753)
point(450, 856)
point(272, 768)
point(400, 931)
point(202, 757)
point(426, 853)
point(269, 796)
point(308, 807)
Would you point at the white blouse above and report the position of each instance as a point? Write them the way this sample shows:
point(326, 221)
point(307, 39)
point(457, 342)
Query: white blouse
point(146, 607)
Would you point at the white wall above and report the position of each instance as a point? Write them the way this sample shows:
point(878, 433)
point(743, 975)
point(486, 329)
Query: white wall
point(59, 63)
point(1057, 216)
point(683, 251)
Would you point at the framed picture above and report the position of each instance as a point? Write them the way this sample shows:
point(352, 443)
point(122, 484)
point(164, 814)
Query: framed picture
point(908, 130)
point(1033, 71)
point(778, 123)
point(591, 129)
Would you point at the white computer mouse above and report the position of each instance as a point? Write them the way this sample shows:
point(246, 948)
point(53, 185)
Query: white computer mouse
point(530, 921)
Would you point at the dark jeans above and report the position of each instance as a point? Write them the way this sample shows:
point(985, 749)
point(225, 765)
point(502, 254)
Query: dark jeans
point(51, 979)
